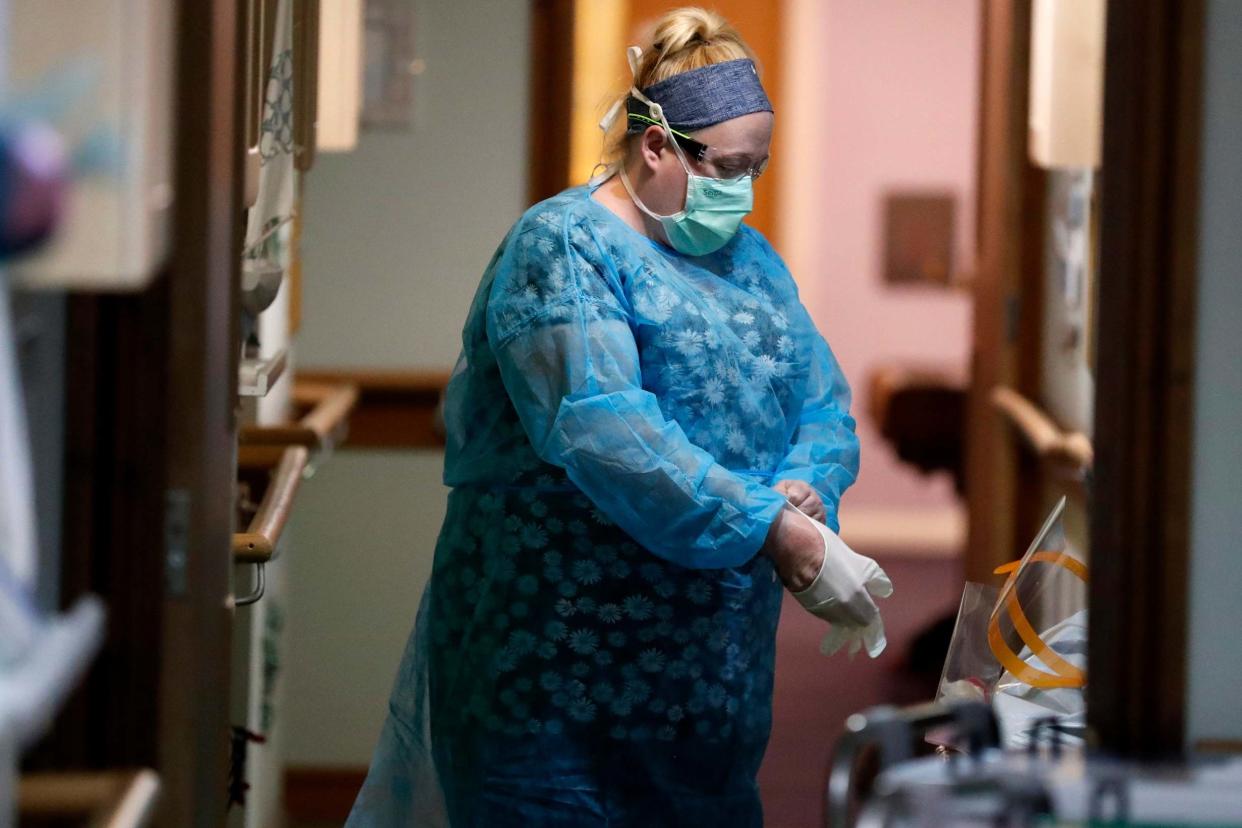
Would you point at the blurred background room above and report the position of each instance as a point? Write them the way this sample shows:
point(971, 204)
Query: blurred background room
point(240, 238)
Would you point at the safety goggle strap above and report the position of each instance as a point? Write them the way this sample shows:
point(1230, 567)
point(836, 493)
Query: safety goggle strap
point(633, 55)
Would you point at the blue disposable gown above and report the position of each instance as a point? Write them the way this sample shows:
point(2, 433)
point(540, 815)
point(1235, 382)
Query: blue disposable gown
point(596, 643)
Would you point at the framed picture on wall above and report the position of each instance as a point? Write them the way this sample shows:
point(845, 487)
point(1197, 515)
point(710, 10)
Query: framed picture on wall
point(918, 237)
point(390, 65)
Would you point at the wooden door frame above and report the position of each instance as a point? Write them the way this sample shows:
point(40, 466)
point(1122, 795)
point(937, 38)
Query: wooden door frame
point(149, 410)
point(1001, 481)
point(1140, 494)
point(113, 486)
point(1140, 527)
point(550, 97)
point(200, 398)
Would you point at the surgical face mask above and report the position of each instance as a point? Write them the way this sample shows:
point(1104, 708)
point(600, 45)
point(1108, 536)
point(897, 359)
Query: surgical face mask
point(713, 211)
point(714, 207)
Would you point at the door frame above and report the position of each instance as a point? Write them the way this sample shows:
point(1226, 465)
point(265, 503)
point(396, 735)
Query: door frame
point(1139, 495)
point(149, 471)
point(1140, 528)
point(201, 423)
point(1002, 481)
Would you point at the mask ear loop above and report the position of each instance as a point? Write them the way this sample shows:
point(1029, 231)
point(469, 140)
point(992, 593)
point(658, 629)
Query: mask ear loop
point(633, 55)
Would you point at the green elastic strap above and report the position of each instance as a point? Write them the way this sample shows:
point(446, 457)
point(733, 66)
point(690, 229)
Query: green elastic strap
point(654, 122)
point(696, 148)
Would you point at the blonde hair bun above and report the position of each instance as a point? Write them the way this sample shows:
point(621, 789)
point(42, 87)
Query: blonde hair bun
point(682, 39)
point(684, 27)
point(689, 38)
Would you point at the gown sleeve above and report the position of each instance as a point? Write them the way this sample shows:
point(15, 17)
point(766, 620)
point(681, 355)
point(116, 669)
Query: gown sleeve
point(824, 448)
point(559, 326)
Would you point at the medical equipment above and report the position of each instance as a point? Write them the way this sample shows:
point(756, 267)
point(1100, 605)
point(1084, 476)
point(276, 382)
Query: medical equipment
point(265, 252)
point(970, 670)
point(1044, 785)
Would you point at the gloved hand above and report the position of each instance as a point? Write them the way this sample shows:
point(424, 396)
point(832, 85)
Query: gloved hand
point(841, 594)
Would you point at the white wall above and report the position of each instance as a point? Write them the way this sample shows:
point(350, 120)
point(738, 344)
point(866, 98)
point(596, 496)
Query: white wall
point(396, 237)
point(398, 232)
point(1215, 668)
point(364, 531)
point(1067, 383)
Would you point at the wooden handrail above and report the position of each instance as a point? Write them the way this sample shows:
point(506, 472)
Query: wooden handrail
point(258, 543)
point(332, 406)
point(115, 799)
point(1041, 433)
point(397, 409)
point(326, 424)
point(380, 380)
point(1230, 747)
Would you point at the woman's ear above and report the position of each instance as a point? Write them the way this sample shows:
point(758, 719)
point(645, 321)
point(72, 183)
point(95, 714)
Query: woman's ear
point(653, 143)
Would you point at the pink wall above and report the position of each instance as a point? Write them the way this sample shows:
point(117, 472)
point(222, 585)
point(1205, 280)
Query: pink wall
point(885, 93)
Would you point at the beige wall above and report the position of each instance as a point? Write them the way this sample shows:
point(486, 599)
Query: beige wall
point(396, 236)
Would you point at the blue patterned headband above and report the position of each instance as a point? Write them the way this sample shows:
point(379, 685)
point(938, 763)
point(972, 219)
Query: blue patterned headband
point(703, 97)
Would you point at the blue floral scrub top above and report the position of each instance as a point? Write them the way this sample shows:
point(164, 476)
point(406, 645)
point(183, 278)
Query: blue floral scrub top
point(596, 643)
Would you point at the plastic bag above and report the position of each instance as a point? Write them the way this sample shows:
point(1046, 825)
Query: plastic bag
point(1038, 634)
point(1019, 705)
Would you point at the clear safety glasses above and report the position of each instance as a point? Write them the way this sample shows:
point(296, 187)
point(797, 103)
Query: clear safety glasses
point(727, 167)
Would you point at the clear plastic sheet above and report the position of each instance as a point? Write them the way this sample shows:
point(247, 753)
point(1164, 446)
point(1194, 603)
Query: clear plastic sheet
point(1038, 633)
point(970, 670)
point(1047, 588)
point(1023, 647)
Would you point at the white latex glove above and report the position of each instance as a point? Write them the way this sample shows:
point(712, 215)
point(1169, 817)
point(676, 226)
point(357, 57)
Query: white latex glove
point(841, 594)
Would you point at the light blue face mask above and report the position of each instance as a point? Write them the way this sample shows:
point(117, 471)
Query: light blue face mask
point(712, 214)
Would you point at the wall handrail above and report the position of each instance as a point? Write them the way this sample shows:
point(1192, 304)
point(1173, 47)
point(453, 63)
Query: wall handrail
point(326, 424)
point(112, 799)
point(258, 543)
point(1041, 433)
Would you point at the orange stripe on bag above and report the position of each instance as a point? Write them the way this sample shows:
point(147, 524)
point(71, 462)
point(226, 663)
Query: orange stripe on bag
point(1066, 674)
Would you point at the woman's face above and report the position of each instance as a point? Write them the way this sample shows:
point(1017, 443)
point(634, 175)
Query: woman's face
point(734, 147)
